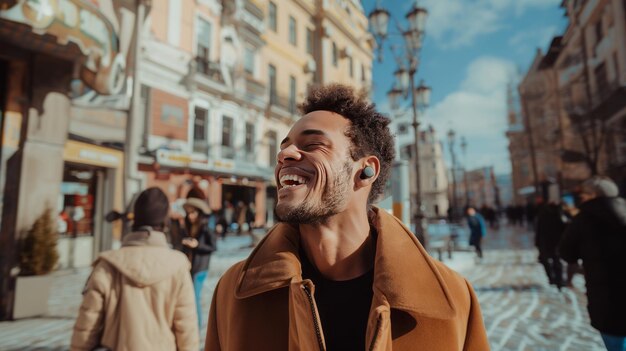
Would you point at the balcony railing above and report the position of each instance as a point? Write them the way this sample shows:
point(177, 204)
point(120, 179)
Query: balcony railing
point(255, 88)
point(209, 68)
point(288, 105)
point(201, 146)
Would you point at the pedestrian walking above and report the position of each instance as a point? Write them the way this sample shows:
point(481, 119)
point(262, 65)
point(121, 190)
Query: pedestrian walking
point(476, 224)
point(198, 244)
point(597, 235)
point(549, 227)
point(242, 215)
point(139, 297)
point(338, 273)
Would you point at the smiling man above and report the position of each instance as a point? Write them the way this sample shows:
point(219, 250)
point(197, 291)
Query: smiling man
point(338, 273)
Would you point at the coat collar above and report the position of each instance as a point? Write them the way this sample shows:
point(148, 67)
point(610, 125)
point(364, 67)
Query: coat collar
point(145, 238)
point(404, 274)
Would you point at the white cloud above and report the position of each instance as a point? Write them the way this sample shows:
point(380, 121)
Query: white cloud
point(478, 111)
point(527, 40)
point(458, 23)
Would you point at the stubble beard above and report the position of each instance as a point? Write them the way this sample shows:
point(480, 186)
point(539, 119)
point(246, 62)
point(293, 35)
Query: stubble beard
point(316, 212)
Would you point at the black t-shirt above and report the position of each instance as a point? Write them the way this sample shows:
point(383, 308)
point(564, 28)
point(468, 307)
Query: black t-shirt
point(343, 307)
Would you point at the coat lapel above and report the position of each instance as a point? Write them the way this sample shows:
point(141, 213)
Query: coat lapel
point(406, 275)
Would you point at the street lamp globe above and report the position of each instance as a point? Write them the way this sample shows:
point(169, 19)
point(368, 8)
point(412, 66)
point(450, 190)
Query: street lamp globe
point(413, 41)
point(422, 95)
point(379, 22)
point(417, 18)
point(451, 135)
point(402, 79)
point(394, 96)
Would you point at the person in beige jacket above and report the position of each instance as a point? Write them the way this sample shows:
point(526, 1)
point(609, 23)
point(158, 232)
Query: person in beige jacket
point(139, 297)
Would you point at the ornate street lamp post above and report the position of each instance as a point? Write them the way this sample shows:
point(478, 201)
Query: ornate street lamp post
point(464, 149)
point(404, 86)
point(453, 198)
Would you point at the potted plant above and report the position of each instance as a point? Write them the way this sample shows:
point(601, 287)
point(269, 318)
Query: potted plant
point(38, 257)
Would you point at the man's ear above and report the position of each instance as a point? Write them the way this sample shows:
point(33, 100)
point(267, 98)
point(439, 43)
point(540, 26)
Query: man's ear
point(370, 168)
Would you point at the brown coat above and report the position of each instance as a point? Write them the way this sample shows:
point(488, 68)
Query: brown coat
point(139, 297)
point(418, 303)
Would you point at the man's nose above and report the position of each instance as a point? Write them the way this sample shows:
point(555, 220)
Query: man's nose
point(291, 152)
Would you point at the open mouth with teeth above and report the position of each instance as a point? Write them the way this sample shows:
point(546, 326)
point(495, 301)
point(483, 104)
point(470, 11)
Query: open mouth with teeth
point(292, 180)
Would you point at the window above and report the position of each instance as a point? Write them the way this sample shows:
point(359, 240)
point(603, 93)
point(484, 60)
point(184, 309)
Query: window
point(145, 103)
point(524, 170)
point(227, 137)
point(249, 59)
point(615, 67)
point(272, 79)
point(203, 46)
point(249, 147)
point(599, 31)
point(363, 78)
point(292, 94)
point(406, 151)
point(309, 41)
point(292, 31)
point(602, 81)
point(272, 17)
point(273, 147)
point(351, 67)
point(335, 54)
point(403, 129)
point(621, 145)
point(200, 125)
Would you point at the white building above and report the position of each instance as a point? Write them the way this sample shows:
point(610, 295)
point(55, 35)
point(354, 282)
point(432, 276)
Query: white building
point(433, 174)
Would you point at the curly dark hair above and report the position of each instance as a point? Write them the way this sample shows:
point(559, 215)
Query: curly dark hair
point(369, 129)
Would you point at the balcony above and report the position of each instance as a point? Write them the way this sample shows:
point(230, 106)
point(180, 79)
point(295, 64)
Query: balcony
point(254, 88)
point(228, 152)
point(252, 16)
point(283, 106)
point(201, 146)
point(210, 69)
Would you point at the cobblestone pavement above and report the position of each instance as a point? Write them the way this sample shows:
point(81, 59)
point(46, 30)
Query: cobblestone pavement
point(522, 312)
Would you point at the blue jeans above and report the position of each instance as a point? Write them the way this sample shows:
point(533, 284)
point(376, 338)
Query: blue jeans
point(198, 283)
point(614, 343)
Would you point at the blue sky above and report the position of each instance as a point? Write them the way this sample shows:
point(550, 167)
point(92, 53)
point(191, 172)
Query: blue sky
point(471, 50)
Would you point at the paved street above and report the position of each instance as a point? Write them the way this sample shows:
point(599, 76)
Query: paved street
point(521, 311)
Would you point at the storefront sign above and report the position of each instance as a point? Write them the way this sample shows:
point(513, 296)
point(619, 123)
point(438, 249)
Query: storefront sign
point(80, 23)
point(97, 156)
point(224, 165)
point(180, 159)
point(92, 155)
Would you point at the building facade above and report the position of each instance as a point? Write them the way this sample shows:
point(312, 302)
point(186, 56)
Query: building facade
point(573, 104)
point(433, 172)
point(48, 160)
point(220, 83)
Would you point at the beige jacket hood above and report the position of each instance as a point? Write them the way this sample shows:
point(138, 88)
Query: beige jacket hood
point(139, 297)
point(146, 258)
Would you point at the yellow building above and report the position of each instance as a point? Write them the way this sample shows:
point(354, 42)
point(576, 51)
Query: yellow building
point(220, 83)
point(308, 42)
